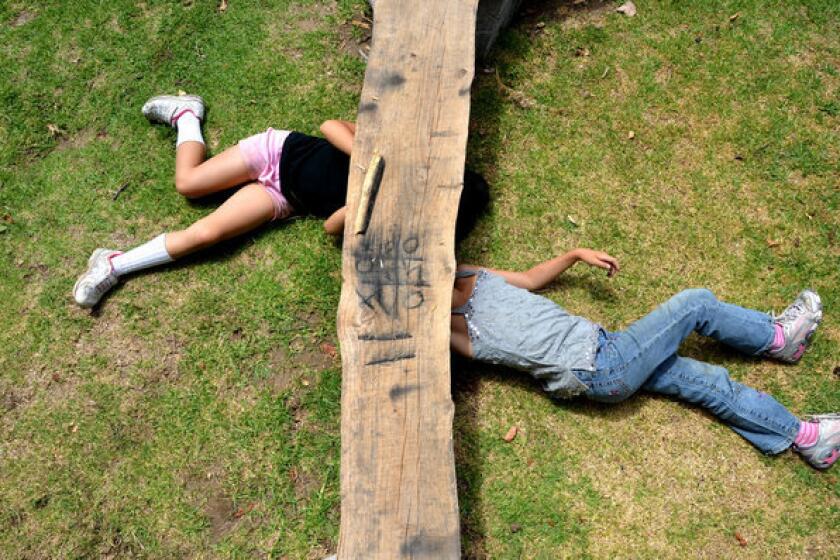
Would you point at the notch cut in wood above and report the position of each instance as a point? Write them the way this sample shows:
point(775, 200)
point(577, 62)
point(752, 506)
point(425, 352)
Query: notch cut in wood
point(370, 187)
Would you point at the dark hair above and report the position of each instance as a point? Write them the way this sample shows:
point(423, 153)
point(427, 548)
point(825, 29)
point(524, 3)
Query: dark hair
point(475, 197)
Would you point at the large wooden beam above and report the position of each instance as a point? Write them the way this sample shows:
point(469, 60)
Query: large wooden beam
point(398, 488)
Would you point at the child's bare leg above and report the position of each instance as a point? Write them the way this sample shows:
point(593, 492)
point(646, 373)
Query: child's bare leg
point(248, 209)
point(195, 177)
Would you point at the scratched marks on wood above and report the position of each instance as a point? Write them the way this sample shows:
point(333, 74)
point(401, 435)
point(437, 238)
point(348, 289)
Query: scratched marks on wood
point(391, 358)
point(390, 282)
point(390, 274)
point(385, 336)
point(398, 486)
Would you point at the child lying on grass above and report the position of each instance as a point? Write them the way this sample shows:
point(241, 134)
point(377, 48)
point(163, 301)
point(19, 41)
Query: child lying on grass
point(285, 174)
point(496, 319)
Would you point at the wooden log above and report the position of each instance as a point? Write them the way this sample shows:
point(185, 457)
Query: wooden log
point(493, 16)
point(398, 487)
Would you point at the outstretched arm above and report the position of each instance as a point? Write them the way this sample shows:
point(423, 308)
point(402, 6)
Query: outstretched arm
point(340, 134)
point(544, 273)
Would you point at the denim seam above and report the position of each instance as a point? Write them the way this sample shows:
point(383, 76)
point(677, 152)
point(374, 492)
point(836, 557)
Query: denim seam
point(651, 341)
point(750, 414)
point(770, 339)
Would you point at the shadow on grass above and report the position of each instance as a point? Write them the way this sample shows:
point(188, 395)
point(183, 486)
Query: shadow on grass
point(467, 376)
point(219, 253)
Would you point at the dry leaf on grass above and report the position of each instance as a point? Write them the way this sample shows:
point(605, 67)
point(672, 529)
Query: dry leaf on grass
point(516, 96)
point(734, 16)
point(54, 130)
point(740, 538)
point(242, 511)
point(223, 6)
point(631, 135)
point(329, 349)
point(511, 434)
point(628, 9)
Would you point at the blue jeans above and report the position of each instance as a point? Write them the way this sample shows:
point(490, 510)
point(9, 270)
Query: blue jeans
point(644, 356)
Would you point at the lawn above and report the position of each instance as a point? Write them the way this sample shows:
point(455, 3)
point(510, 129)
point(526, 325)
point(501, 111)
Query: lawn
point(195, 414)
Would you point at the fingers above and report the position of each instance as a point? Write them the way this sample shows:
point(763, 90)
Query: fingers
point(611, 265)
point(613, 262)
point(601, 260)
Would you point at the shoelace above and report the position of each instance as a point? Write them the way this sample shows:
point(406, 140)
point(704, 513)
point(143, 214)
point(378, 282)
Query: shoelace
point(796, 308)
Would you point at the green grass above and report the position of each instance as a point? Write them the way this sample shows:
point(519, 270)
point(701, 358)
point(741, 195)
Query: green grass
point(195, 415)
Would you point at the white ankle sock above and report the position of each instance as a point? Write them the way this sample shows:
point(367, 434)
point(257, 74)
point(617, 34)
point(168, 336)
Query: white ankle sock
point(189, 129)
point(152, 253)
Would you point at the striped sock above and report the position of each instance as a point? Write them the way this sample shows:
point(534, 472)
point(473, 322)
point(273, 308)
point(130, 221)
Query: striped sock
point(809, 433)
point(779, 339)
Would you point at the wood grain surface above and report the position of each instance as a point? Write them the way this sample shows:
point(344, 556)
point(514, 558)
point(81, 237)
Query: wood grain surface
point(398, 488)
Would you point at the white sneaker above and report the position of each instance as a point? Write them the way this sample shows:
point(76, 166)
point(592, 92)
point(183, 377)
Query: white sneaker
point(799, 323)
point(97, 279)
point(166, 109)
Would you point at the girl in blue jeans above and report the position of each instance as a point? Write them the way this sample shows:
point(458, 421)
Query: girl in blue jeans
point(496, 319)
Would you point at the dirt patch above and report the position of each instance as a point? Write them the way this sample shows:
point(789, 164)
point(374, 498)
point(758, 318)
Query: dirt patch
point(206, 492)
point(285, 32)
point(114, 25)
point(305, 19)
point(77, 140)
point(321, 550)
point(305, 483)
point(99, 81)
point(68, 53)
point(308, 319)
point(219, 510)
point(23, 18)
point(663, 75)
point(11, 397)
point(283, 375)
point(354, 36)
point(111, 338)
point(573, 14)
point(313, 360)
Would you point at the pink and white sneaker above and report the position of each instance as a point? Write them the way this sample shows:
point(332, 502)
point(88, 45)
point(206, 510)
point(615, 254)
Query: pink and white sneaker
point(799, 323)
point(826, 450)
point(97, 279)
point(166, 109)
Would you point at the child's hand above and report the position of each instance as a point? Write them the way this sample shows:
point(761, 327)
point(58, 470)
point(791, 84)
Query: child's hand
point(599, 259)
